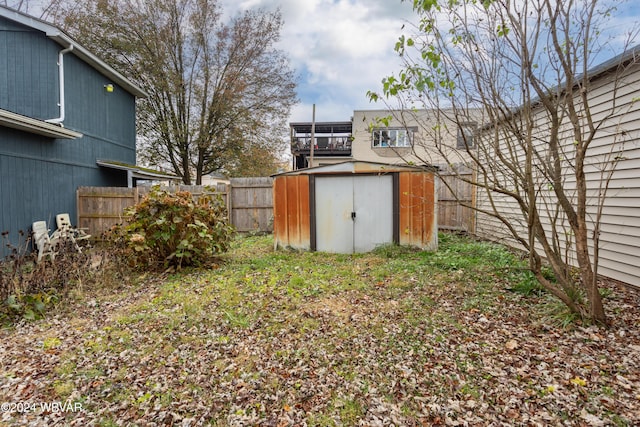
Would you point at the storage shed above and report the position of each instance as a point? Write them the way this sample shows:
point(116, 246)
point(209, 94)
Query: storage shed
point(354, 207)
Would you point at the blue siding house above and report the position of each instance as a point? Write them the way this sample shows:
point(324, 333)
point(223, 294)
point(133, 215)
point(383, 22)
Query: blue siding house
point(64, 116)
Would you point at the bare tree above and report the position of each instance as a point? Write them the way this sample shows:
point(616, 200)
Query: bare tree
point(216, 90)
point(43, 9)
point(526, 66)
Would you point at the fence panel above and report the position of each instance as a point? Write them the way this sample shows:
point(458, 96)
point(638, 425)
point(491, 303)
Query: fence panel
point(251, 202)
point(100, 208)
point(452, 193)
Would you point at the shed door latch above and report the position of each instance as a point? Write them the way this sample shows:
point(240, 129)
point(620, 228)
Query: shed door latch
point(353, 215)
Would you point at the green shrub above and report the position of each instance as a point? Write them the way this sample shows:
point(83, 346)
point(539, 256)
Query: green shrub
point(173, 230)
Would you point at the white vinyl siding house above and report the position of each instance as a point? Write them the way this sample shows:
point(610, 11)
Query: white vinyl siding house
point(614, 100)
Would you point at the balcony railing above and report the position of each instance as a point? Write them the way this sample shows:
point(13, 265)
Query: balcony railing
point(322, 144)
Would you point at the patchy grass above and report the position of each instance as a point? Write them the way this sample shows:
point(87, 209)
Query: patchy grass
point(394, 337)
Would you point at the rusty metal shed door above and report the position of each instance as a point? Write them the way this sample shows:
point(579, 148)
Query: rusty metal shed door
point(353, 213)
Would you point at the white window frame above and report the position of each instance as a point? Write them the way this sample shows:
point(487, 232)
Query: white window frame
point(391, 137)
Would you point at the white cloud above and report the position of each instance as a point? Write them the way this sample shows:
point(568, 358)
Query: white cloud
point(342, 47)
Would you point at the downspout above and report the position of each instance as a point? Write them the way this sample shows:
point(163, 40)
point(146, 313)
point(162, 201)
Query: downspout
point(61, 82)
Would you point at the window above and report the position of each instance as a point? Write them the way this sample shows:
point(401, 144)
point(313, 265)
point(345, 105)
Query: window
point(466, 136)
point(390, 137)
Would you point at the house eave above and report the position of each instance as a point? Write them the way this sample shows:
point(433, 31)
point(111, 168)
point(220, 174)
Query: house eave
point(39, 127)
point(630, 56)
point(138, 171)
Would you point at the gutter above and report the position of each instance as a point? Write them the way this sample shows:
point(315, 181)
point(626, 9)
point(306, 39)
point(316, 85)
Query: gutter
point(61, 84)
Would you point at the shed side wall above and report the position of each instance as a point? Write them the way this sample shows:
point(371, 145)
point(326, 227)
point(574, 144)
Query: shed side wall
point(291, 220)
point(418, 210)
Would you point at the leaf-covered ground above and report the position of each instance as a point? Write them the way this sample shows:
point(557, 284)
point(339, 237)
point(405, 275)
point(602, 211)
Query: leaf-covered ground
point(396, 337)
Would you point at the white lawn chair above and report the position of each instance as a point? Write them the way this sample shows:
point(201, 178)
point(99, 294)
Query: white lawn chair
point(66, 231)
point(45, 244)
point(64, 226)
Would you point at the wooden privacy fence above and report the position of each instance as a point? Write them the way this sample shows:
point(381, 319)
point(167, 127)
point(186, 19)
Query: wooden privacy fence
point(100, 208)
point(451, 214)
point(249, 203)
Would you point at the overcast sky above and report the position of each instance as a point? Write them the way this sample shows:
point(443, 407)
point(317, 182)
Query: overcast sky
point(339, 48)
point(343, 48)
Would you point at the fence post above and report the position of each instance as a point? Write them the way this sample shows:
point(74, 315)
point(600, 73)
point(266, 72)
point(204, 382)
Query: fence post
point(230, 203)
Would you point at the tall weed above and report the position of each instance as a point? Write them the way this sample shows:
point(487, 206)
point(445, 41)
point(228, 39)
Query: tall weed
point(28, 288)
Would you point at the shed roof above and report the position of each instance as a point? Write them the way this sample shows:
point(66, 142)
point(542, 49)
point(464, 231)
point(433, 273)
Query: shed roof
point(356, 167)
point(63, 39)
